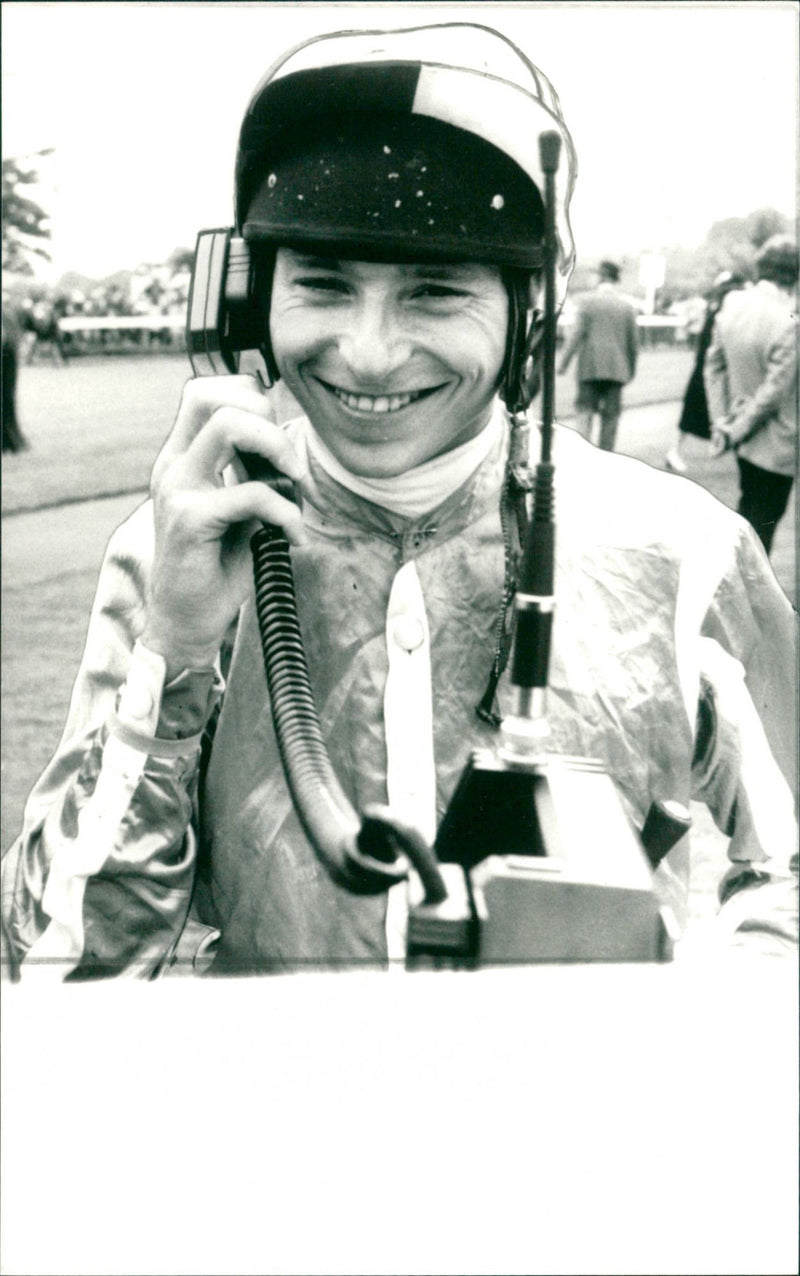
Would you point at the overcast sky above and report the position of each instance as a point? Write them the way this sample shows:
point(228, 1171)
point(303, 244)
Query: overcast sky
point(682, 114)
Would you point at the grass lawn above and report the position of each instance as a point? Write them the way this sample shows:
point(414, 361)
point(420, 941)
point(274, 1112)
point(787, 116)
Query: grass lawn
point(96, 425)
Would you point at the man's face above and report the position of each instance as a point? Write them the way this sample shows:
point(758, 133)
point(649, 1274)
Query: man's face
point(393, 364)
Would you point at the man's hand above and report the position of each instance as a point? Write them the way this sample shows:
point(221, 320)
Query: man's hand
point(202, 565)
point(720, 440)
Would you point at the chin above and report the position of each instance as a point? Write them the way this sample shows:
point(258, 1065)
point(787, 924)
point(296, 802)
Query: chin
point(369, 463)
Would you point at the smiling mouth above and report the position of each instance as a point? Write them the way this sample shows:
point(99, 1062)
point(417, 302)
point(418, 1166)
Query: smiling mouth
point(377, 404)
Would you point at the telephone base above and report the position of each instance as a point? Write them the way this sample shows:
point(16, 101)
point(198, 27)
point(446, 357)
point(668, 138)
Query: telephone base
point(542, 865)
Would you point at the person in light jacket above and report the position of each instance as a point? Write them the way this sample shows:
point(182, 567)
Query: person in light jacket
point(389, 192)
point(751, 385)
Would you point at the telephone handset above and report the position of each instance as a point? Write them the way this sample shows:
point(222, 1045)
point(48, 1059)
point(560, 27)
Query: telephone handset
point(223, 318)
point(223, 322)
point(364, 855)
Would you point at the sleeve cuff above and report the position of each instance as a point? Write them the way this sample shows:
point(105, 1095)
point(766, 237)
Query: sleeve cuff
point(166, 720)
point(187, 703)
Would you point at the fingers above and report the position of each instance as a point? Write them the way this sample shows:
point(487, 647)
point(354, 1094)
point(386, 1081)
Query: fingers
point(201, 533)
point(719, 443)
point(230, 430)
point(220, 417)
point(253, 501)
point(201, 398)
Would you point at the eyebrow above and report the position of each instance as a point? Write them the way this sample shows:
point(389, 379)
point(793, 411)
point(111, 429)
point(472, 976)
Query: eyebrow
point(318, 263)
point(442, 270)
point(427, 270)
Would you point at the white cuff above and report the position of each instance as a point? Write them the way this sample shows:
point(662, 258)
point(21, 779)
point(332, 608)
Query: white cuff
point(139, 702)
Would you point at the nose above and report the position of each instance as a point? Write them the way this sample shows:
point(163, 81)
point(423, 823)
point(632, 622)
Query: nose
point(375, 343)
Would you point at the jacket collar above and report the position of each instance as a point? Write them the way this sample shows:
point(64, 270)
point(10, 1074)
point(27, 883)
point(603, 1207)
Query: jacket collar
point(325, 500)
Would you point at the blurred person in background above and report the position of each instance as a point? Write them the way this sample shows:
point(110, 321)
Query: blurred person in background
point(751, 383)
point(13, 438)
point(694, 417)
point(605, 338)
point(41, 320)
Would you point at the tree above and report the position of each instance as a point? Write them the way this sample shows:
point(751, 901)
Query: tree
point(25, 223)
point(763, 223)
point(180, 259)
point(730, 244)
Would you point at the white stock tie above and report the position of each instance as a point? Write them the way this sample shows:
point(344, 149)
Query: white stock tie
point(408, 719)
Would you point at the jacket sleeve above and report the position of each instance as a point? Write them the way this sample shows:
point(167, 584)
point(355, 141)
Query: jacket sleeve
point(574, 341)
point(746, 762)
point(99, 880)
point(715, 377)
point(633, 342)
point(761, 406)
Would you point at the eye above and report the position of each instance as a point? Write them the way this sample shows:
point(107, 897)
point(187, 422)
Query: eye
point(438, 290)
point(322, 283)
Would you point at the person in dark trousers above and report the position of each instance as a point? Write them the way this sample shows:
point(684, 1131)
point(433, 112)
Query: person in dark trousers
point(606, 341)
point(694, 417)
point(751, 383)
point(13, 438)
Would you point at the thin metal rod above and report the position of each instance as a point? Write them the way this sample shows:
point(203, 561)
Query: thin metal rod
point(549, 152)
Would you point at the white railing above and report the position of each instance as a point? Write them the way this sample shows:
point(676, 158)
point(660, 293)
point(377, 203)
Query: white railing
point(92, 323)
point(121, 323)
point(653, 328)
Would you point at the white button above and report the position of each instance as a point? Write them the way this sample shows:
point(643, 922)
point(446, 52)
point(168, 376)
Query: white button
point(408, 632)
point(137, 703)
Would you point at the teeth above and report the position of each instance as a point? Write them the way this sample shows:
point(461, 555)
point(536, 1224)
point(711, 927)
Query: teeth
point(384, 403)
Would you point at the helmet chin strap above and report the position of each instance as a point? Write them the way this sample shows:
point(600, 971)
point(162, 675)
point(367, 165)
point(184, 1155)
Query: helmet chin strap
point(512, 381)
point(519, 382)
point(531, 363)
point(263, 268)
point(519, 386)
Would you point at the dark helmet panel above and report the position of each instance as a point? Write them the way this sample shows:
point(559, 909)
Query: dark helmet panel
point(458, 94)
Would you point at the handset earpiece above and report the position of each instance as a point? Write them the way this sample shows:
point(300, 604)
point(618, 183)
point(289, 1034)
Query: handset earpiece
point(222, 316)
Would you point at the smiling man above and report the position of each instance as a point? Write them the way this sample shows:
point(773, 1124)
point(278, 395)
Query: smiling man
point(394, 364)
point(389, 194)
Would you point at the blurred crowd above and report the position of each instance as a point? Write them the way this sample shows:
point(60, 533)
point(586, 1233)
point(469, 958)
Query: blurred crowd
point(150, 291)
point(145, 293)
point(36, 325)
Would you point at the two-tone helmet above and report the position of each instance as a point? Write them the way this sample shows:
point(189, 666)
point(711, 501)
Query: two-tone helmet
point(414, 144)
